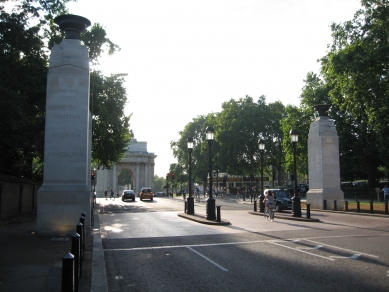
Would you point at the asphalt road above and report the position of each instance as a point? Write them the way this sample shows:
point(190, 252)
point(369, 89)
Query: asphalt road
point(147, 247)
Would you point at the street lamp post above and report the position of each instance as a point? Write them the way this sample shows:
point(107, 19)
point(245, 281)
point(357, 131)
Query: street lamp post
point(296, 206)
point(190, 211)
point(167, 185)
point(211, 201)
point(261, 146)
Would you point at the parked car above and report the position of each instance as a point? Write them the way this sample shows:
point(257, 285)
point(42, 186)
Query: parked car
point(146, 193)
point(282, 199)
point(128, 194)
point(159, 194)
point(346, 184)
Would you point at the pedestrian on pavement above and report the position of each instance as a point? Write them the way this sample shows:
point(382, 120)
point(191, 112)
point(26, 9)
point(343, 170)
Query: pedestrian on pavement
point(386, 193)
point(105, 194)
point(112, 195)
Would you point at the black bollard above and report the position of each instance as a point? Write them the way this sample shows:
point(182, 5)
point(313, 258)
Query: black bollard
point(358, 207)
point(218, 219)
point(371, 207)
point(82, 220)
point(79, 230)
point(76, 253)
point(261, 204)
point(255, 205)
point(68, 283)
point(185, 207)
point(346, 205)
point(324, 204)
point(308, 211)
point(335, 206)
point(386, 208)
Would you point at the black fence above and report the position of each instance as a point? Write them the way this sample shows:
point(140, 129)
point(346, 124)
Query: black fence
point(363, 194)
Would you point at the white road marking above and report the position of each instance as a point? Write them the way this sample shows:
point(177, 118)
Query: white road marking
point(355, 254)
point(208, 259)
point(348, 250)
point(299, 250)
point(316, 247)
point(353, 257)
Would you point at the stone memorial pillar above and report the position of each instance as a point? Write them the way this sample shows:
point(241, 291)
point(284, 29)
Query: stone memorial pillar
point(65, 192)
point(323, 162)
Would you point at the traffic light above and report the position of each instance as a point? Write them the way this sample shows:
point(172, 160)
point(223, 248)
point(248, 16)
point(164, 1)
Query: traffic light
point(93, 176)
point(172, 176)
point(167, 176)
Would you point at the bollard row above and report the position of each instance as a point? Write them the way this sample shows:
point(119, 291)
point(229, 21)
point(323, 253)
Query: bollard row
point(358, 206)
point(72, 261)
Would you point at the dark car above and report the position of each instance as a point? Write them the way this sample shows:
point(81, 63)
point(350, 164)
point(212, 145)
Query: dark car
point(282, 198)
point(159, 194)
point(128, 194)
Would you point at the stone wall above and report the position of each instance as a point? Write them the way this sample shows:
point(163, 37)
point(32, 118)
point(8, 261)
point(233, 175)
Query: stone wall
point(17, 196)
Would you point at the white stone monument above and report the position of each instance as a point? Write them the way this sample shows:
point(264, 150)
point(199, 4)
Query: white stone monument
point(65, 193)
point(323, 162)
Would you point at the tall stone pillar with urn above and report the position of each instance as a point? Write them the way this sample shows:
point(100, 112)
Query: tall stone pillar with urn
point(323, 162)
point(65, 193)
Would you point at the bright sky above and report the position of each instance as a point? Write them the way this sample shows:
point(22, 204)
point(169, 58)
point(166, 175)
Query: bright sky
point(185, 58)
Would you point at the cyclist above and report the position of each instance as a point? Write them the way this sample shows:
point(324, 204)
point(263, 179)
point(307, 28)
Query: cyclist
point(269, 204)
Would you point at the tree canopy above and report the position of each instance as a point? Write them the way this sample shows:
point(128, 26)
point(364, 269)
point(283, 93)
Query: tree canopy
point(27, 32)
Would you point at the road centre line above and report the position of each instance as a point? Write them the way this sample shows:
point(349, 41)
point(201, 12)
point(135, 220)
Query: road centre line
point(208, 259)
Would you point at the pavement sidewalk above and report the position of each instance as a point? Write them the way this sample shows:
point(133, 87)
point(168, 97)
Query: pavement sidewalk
point(33, 262)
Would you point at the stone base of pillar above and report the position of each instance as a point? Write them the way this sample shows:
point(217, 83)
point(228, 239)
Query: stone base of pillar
point(59, 208)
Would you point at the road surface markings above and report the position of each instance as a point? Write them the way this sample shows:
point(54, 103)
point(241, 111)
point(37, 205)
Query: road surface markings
point(299, 250)
point(347, 250)
point(208, 259)
point(354, 254)
point(353, 257)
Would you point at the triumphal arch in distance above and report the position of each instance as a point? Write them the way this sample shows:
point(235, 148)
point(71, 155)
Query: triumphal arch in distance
point(137, 161)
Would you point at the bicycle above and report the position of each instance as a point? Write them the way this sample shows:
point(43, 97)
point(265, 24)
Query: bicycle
point(269, 212)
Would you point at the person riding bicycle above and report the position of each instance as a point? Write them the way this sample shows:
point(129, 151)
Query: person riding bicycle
point(269, 204)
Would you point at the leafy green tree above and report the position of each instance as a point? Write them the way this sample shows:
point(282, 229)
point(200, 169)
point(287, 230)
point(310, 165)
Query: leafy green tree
point(196, 130)
point(26, 35)
point(159, 182)
point(111, 133)
point(355, 70)
point(24, 59)
point(273, 136)
point(300, 120)
point(124, 178)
